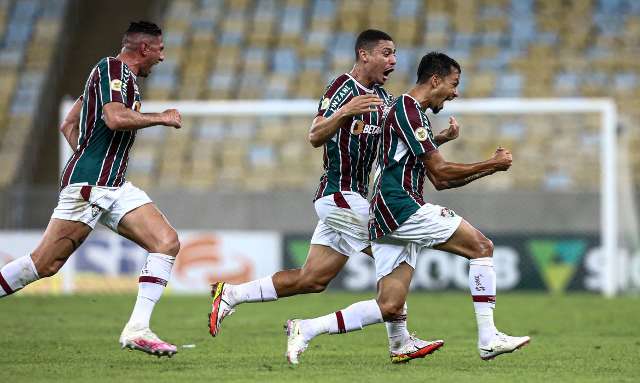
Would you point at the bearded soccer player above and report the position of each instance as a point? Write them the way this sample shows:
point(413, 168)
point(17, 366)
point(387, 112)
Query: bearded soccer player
point(101, 128)
point(347, 126)
point(403, 226)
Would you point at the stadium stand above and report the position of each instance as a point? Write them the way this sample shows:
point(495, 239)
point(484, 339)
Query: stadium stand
point(28, 32)
point(282, 49)
point(273, 49)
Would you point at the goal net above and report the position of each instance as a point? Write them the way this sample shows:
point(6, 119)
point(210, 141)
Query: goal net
point(554, 217)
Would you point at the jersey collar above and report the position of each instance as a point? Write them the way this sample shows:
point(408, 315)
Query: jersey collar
point(416, 101)
point(360, 85)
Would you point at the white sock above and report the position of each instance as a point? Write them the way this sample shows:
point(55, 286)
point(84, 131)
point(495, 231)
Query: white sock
point(153, 278)
point(17, 274)
point(258, 290)
point(482, 283)
point(353, 318)
point(397, 331)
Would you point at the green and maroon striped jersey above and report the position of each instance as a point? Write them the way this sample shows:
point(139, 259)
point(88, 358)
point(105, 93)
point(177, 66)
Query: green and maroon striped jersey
point(349, 154)
point(102, 154)
point(399, 180)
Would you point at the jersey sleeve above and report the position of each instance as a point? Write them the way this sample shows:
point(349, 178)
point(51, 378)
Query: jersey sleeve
point(111, 81)
point(413, 129)
point(338, 93)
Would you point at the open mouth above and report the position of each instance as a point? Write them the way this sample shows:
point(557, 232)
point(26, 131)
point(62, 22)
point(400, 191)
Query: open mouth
point(386, 73)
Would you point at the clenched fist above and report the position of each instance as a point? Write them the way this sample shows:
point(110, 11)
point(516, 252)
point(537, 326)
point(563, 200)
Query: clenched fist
point(172, 118)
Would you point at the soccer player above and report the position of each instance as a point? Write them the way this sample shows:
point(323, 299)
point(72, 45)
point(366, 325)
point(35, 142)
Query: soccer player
point(347, 126)
point(402, 225)
point(101, 127)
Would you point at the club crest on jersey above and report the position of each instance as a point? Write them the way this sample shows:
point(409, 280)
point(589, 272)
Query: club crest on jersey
point(359, 127)
point(116, 85)
point(446, 212)
point(95, 210)
point(421, 134)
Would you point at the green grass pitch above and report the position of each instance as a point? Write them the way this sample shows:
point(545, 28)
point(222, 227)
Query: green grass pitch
point(575, 338)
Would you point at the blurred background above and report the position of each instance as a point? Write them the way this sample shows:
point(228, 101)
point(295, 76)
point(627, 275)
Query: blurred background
point(239, 188)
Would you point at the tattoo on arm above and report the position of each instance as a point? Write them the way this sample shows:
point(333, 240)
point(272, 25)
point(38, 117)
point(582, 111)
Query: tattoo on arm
point(461, 182)
point(74, 243)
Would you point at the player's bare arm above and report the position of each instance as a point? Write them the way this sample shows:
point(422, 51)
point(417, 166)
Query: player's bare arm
point(118, 117)
point(447, 175)
point(322, 129)
point(449, 134)
point(70, 127)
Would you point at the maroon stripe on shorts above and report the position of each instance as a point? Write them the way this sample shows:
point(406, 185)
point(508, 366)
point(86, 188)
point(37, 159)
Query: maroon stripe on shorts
point(150, 279)
point(7, 289)
point(85, 192)
point(338, 198)
point(341, 328)
point(484, 298)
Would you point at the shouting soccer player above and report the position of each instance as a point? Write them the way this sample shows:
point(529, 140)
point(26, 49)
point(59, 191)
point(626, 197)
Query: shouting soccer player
point(347, 126)
point(402, 225)
point(101, 128)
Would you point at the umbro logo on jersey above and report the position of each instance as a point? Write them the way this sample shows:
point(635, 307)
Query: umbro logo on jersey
point(359, 127)
point(325, 103)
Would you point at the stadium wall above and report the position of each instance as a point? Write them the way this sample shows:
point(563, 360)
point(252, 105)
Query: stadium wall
point(108, 263)
point(285, 211)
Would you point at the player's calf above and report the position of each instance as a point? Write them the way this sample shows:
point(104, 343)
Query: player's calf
point(311, 285)
point(392, 310)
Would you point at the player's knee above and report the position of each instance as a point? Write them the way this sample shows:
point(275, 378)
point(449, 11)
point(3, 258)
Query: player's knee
point(168, 244)
point(484, 248)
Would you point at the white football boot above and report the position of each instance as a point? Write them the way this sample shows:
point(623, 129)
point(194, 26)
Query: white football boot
point(502, 344)
point(296, 344)
point(143, 339)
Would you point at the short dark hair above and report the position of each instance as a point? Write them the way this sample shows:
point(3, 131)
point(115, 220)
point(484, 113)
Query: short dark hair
point(146, 27)
point(436, 63)
point(368, 39)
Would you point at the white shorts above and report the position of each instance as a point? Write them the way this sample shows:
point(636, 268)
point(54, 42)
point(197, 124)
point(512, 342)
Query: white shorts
point(90, 204)
point(431, 225)
point(343, 224)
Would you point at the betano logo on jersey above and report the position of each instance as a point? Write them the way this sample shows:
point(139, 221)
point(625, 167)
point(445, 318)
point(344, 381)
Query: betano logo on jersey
point(557, 260)
point(359, 127)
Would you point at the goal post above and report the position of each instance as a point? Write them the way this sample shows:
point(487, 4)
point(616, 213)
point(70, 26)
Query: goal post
point(608, 121)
